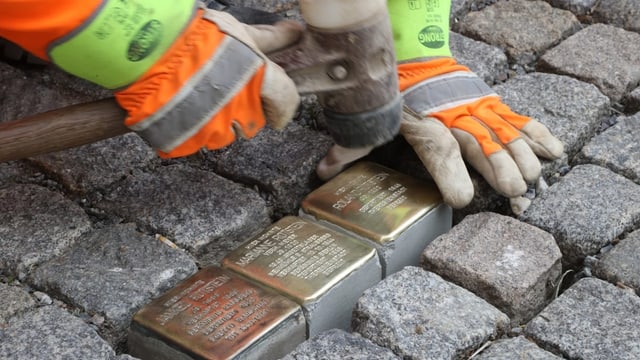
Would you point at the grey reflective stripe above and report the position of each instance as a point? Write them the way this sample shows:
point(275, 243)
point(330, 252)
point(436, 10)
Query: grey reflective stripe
point(208, 91)
point(445, 91)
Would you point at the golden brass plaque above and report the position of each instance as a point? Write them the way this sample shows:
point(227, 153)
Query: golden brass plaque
point(299, 258)
point(372, 201)
point(214, 314)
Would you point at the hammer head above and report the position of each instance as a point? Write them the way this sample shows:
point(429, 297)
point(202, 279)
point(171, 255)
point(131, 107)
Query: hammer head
point(350, 65)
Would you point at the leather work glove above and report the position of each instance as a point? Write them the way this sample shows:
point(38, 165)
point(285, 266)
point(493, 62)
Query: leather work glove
point(188, 77)
point(239, 90)
point(450, 114)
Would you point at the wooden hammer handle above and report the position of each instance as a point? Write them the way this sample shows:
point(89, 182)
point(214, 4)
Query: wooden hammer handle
point(61, 129)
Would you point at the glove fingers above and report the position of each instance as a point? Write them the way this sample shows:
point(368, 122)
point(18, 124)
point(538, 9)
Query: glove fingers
point(537, 136)
point(526, 160)
point(440, 154)
point(279, 96)
point(270, 38)
point(498, 168)
point(541, 141)
point(503, 129)
point(510, 137)
point(337, 158)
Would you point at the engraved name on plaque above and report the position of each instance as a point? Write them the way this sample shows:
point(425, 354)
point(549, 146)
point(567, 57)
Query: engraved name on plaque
point(397, 214)
point(323, 270)
point(216, 314)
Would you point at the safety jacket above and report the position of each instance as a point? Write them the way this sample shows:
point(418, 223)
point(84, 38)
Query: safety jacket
point(183, 80)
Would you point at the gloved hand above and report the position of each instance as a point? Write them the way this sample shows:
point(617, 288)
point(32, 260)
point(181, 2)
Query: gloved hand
point(188, 77)
point(233, 93)
point(452, 114)
point(449, 115)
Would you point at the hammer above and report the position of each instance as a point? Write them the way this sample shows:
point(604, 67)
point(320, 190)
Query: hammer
point(345, 57)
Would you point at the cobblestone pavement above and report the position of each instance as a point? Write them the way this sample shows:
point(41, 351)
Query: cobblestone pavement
point(80, 229)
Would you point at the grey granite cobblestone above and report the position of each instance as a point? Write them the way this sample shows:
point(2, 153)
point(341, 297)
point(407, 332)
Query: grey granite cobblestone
point(95, 166)
point(50, 244)
point(515, 348)
point(339, 345)
point(113, 272)
point(418, 315)
point(617, 148)
point(620, 13)
point(523, 28)
point(198, 210)
point(621, 265)
point(14, 300)
point(51, 333)
point(36, 224)
point(13, 172)
point(587, 209)
point(512, 265)
point(632, 101)
point(486, 61)
point(591, 320)
point(267, 162)
point(604, 62)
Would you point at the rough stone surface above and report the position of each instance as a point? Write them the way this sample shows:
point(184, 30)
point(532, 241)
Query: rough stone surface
point(516, 348)
point(581, 8)
point(617, 148)
point(266, 161)
point(523, 28)
point(621, 265)
point(512, 265)
point(633, 101)
point(571, 109)
point(338, 345)
point(96, 166)
point(418, 315)
point(612, 68)
point(48, 88)
point(198, 210)
point(113, 272)
point(14, 300)
point(585, 210)
point(35, 225)
point(488, 62)
point(620, 13)
point(591, 320)
point(52, 333)
point(13, 172)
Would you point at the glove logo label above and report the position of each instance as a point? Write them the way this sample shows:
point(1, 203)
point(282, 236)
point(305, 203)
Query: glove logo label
point(145, 41)
point(432, 37)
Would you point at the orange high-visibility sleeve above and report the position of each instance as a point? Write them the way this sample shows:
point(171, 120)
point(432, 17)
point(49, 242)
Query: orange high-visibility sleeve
point(34, 24)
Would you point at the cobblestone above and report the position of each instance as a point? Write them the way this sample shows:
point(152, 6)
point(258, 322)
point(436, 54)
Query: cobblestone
point(198, 210)
point(512, 265)
point(36, 224)
point(418, 315)
point(586, 210)
point(89, 235)
point(113, 272)
point(516, 348)
point(612, 68)
point(524, 28)
point(616, 148)
point(621, 265)
point(591, 320)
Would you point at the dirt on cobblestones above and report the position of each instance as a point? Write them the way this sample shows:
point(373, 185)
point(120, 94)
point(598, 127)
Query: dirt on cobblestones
point(76, 227)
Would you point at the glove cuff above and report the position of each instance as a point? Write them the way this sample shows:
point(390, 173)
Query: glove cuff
point(202, 92)
point(439, 84)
